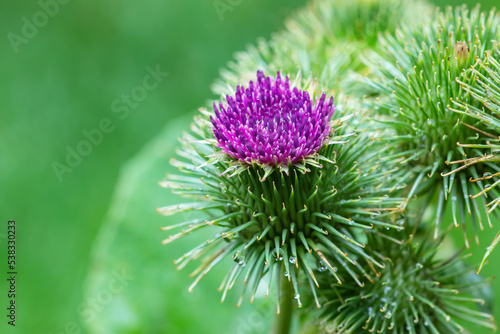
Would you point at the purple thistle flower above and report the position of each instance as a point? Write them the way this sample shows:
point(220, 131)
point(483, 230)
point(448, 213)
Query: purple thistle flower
point(269, 123)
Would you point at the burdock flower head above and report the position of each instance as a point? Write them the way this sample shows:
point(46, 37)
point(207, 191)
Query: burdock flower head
point(271, 123)
point(290, 190)
point(417, 78)
point(417, 292)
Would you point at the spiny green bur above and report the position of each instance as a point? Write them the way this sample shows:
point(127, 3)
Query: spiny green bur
point(417, 78)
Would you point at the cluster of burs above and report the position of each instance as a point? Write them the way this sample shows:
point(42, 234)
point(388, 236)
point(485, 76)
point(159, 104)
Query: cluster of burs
point(341, 157)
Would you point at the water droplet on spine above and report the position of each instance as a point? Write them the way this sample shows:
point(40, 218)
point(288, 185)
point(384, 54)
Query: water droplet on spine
point(321, 266)
point(278, 256)
point(239, 259)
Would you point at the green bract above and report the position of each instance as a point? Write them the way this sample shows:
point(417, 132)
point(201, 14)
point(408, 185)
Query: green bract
point(416, 79)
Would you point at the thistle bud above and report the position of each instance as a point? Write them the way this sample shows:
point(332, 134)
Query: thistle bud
point(416, 82)
point(286, 187)
point(416, 292)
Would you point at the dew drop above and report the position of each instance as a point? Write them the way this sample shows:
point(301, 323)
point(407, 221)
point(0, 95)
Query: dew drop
point(487, 174)
point(239, 258)
point(278, 256)
point(419, 266)
point(426, 323)
point(292, 259)
point(297, 296)
point(287, 274)
point(321, 266)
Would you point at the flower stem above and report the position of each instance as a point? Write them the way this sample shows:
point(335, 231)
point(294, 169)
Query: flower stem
point(283, 320)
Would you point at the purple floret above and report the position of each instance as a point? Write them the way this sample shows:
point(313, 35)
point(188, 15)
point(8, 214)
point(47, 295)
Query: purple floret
point(270, 123)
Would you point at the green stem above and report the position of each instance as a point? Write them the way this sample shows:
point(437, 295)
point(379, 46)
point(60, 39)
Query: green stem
point(284, 319)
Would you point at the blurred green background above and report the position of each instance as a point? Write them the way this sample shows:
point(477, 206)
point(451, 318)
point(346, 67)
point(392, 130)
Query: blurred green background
point(64, 81)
